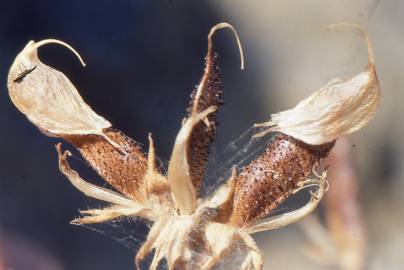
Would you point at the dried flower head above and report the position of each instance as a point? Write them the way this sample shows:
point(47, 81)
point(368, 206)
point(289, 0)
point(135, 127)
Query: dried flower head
point(188, 231)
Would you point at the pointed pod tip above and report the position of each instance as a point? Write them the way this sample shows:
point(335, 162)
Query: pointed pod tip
point(34, 46)
point(364, 33)
point(223, 25)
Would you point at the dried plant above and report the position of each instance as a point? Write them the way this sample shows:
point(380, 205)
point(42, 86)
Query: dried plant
point(191, 232)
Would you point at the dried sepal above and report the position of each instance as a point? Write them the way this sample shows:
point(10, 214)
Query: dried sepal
point(341, 107)
point(208, 93)
point(224, 194)
point(113, 212)
point(121, 204)
point(48, 98)
point(213, 232)
point(253, 260)
point(88, 189)
point(222, 239)
point(169, 237)
point(179, 178)
point(195, 242)
point(296, 215)
point(155, 188)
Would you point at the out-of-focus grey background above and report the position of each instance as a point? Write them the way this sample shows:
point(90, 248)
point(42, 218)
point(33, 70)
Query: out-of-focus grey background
point(144, 58)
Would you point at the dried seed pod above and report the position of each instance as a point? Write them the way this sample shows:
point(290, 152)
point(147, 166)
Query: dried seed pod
point(273, 176)
point(50, 101)
point(338, 108)
point(190, 153)
point(34, 86)
point(208, 93)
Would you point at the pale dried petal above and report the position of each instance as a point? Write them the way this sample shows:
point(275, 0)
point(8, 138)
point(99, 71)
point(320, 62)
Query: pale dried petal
point(48, 98)
point(113, 212)
point(340, 107)
point(296, 215)
point(88, 189)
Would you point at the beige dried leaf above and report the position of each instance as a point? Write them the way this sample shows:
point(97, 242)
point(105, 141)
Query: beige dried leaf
point(341, 107)
point(48, 98)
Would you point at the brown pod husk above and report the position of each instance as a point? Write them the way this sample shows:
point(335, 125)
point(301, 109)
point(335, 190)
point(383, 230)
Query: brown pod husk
point(340, 107)
point(191, 149)
point(208, 93)
point(122, 168)
point(273, 176)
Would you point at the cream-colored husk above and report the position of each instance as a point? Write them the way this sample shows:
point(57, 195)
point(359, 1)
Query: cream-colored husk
point(48, 98)
point(340, 107)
